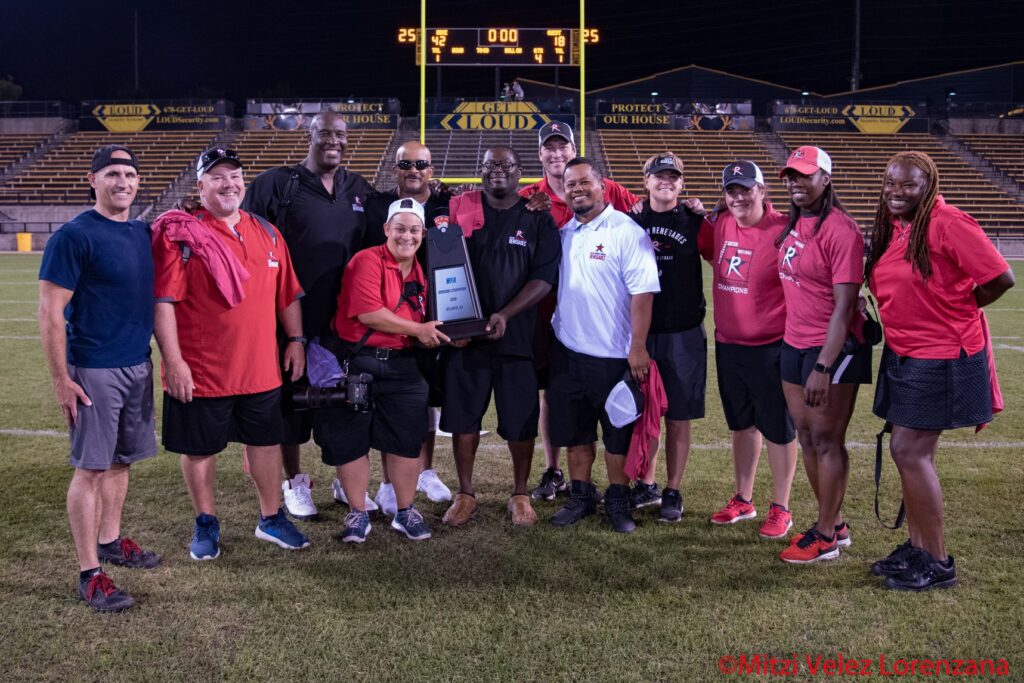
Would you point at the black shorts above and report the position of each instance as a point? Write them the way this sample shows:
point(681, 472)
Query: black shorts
point(934, 394)
point(796, 365)
point(396, 424)
point(206, 425)
point(750, 384)
point(471, 374)
point(682, 359)
point(580, 385)
point(298, 424)
point(429, 363)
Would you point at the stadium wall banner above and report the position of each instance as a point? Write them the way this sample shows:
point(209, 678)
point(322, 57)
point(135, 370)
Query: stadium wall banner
point(135, 116)
point(278, 115)
point(662, 116)
point(492, 116)
point(865, 117)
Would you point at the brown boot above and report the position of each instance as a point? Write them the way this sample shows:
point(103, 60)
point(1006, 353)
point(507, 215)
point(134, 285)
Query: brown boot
point(521, 510)
point(460, 511)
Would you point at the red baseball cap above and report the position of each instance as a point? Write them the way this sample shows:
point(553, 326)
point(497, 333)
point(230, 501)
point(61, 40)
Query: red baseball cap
point(807, 160)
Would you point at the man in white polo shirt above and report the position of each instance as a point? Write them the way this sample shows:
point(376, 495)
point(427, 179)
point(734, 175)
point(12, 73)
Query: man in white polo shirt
point(606, 286)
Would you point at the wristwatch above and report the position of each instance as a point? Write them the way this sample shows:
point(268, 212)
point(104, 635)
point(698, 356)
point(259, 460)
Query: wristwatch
point(301, 340)
point(818, 367)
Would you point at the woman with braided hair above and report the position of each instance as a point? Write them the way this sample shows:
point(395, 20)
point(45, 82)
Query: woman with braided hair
point(932, 269)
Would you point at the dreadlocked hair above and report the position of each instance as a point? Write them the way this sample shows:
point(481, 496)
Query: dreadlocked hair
point(881, 233)
point(830, 200)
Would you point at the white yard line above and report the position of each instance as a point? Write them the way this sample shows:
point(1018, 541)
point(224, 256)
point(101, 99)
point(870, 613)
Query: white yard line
point(35, 320)
point(18, 301)
point(1007, 346)
point(19, 337)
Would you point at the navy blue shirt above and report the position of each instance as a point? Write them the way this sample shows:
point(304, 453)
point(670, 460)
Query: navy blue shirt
point(109, 267)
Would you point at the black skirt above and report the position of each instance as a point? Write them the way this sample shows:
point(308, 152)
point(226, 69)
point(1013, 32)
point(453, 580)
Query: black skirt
point(933, 394)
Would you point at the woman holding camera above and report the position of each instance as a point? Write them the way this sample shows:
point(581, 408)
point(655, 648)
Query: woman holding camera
point(932, 268)
point(821, 257)
point(380, 314)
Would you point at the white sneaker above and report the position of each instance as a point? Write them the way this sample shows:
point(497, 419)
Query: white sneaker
point(385, 498)
point(339, 495)
point(430, 484)
point(298, 499)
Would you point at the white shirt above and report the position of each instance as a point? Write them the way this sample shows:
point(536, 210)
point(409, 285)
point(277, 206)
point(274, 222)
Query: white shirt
point(604, 263)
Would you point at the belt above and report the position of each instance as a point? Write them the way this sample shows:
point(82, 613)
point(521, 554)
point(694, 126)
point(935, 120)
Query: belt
point(384, 353)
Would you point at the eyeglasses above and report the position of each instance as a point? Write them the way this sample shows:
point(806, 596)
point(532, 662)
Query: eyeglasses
point(216, 154)
point(420, 164)
point(505, 166)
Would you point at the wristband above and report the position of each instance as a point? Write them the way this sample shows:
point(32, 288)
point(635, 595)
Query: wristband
point(818, 367)
point(300, 340)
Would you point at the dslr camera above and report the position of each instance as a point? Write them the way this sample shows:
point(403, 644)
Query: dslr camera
point(352, 391)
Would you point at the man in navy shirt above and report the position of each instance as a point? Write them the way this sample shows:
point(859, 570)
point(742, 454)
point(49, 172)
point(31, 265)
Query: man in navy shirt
point(95, 320)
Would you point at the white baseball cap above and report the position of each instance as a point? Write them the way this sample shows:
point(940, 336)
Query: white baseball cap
point(406, 205)
point(625, 402)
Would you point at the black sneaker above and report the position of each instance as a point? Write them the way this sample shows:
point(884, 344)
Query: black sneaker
point(924, 573)
point(581, 504)
point(100, 593)
point(126, 553)
point(644, 495)
point(671, 506)
point(896, 562)
point(616, 507)
point(552, 482)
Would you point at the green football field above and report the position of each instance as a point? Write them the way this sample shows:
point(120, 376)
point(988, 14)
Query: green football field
point(669, 603)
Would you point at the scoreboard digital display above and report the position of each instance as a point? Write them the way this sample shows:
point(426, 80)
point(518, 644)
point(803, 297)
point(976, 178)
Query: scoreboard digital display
point(499, 46)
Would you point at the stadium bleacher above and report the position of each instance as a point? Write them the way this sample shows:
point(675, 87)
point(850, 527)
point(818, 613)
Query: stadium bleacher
point(263, 149)
point(15, 146)
point(1005, 152)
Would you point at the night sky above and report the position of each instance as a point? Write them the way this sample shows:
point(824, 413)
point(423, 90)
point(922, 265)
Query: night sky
point(82, 50)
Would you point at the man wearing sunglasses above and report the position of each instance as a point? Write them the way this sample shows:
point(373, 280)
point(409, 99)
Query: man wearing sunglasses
point(515, 254)
point(413, 171)
point(319, 207)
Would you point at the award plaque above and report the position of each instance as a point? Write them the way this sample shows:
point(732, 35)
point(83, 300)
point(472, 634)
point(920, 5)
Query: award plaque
point(452, 297)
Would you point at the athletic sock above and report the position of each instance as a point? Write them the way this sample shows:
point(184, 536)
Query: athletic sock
point(87, 574)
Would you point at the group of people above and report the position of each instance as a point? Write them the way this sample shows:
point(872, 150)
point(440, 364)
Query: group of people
point(583, 286)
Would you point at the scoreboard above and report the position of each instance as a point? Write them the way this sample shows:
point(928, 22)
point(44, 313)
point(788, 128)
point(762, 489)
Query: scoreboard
point(499, 45)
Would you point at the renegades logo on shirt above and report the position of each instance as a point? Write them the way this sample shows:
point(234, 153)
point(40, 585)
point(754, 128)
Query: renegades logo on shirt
point(734, 268)
point(519, 239)
point(357, 203)
point(598, 253)
point(789, 255)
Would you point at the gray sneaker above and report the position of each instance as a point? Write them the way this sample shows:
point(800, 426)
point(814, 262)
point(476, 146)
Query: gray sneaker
point(127, 553)
point(410, 522)
point(552, 482)
point(100, 593)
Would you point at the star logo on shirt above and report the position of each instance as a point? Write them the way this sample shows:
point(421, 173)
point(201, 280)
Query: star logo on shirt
point(600, 248)
point(598, 253)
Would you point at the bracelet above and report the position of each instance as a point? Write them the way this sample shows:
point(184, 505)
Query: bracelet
point(300, 340)
point(818, 367)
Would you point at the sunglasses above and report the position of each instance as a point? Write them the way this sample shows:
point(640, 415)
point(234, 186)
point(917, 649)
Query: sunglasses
point(420, 164)
point(211, 156)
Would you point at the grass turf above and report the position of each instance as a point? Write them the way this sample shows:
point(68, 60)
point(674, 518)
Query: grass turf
point(492, 602)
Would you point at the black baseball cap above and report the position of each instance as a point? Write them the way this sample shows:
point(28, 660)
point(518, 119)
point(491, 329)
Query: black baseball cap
point(214, 156)
point(103, 157)
point(556, 129)
point(745, 173)
point(663, 162)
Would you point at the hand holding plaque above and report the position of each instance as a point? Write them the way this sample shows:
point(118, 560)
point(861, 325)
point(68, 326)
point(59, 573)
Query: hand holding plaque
point(452, 296)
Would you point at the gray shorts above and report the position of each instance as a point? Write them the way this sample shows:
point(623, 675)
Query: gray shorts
point(682, 359)
point(119, 427)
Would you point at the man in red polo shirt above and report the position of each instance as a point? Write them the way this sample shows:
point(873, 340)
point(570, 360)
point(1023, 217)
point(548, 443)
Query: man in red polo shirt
point(223, 282)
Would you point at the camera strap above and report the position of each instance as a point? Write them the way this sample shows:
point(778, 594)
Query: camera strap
point(403, 298)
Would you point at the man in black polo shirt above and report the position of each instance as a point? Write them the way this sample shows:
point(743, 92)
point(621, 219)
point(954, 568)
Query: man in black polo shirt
point(413, 171)
point(319, 208)
point(514, 255)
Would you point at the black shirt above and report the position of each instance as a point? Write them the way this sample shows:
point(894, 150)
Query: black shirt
point(680, 305)
point(435, 210)
point(323, 231)
point(513, 247)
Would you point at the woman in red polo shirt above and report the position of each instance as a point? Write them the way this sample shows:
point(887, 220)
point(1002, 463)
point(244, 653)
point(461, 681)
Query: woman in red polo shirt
point(821, 266)
point(750, 318)
point(933, 269)
point(380, 313)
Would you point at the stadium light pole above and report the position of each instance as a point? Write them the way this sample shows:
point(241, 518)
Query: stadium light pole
point(583, 84)
point(423, 72)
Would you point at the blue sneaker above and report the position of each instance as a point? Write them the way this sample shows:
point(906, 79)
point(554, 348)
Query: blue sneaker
point(410, 522)
point(357, 526)
point(279, 530)
point(205, 538)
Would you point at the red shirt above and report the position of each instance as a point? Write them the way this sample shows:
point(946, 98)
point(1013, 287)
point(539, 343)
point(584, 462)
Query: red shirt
point(809, 266)
point(372, 281)
point(230, 351)
point(938, 318)
point(750, 308)
point(614, 194)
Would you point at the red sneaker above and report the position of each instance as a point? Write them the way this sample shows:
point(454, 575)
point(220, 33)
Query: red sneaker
point(734, 511)
point(810, 547)
point(843, 535)
point(778, 522)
